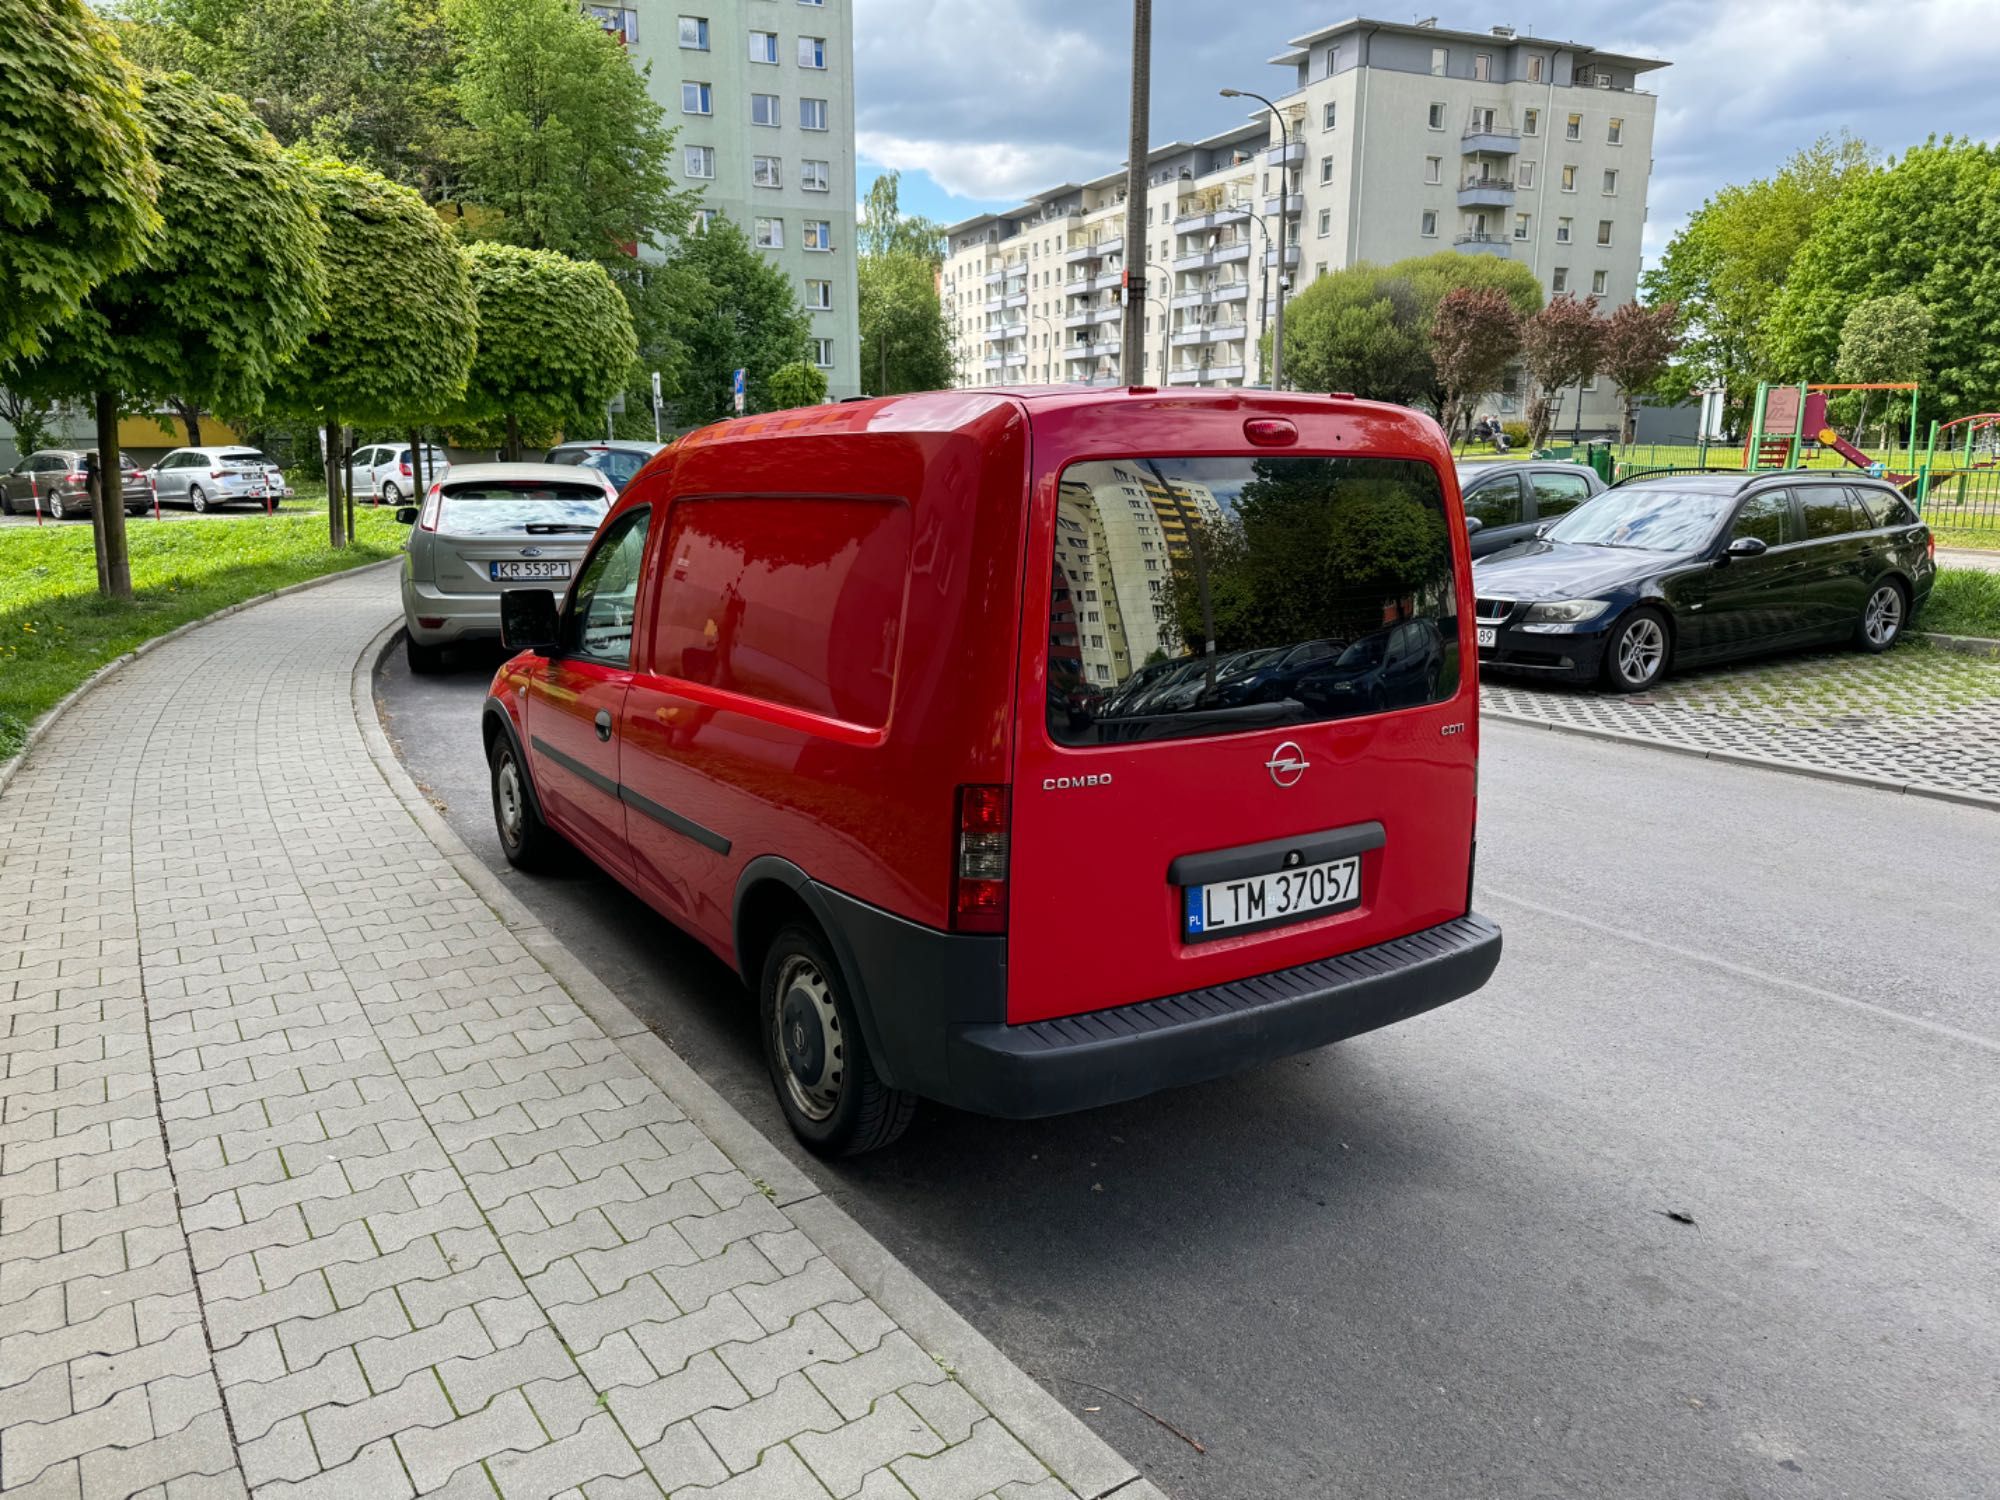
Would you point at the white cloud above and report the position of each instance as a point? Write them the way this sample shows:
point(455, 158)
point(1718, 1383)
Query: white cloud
point(985, 170)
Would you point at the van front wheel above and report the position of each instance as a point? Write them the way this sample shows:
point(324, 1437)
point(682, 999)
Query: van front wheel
point(825, 1082)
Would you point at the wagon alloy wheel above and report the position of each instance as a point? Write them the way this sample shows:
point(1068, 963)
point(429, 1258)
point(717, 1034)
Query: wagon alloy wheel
point(1636, 656)
point(809, 1038)
point(56, 509)
point(1882, 620)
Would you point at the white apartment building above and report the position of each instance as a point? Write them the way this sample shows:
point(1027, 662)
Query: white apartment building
point(763, 94)
point(1390, 140)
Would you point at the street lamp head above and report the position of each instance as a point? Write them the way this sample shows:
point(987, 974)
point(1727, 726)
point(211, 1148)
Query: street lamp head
point(1232, 93)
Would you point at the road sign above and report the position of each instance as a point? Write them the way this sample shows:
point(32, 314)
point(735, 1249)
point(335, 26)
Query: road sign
point(737, 392)
point(656, 390)
point(617, 405)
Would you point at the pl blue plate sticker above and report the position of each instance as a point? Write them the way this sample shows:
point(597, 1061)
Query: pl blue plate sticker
point(1194, 908)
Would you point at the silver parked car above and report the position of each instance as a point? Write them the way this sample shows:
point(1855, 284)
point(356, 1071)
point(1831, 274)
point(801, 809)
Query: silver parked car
point(621, 458)
point(482, 528)
point(202, 478)
point(383, 473)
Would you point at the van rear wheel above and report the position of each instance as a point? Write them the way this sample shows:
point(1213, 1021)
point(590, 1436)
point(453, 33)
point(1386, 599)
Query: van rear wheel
point(826, 1084)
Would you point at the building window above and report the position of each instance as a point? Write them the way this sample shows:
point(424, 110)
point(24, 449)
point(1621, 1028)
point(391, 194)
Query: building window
point(1562, 231)
point(1559, 279)
point(1326, 169)
point(770, 234)
point(694, 33)
point(1319, 269)
point(1598, 282)
point(1520, 226)
point(703, 217)
point(1333, 60)
point(1531, 122)
point(1482, 67)
point(1433, 169)
point(1330, 115)
point(819, 296)
point(695, 99)
point(1610, 181)
point(1614, 132)
point(1325, 222)
point(699, 161)
point(1524, 174)
point(1430, 225)
point(812, 114)
point(1534, 70)
point(765, 171)
point(823, 353)
point(1573, 128)
point(1603, 231)
point(1569, 179)
point(621, 22)
point(819, 234)
point(812, 52)
point(763, 46)
point(1437, 117)
point(814, 175)
point(764, 110)
point(1440, 58)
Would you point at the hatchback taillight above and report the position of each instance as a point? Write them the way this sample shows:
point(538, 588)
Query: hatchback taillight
point(403, 469)
point(433, 503)
point(979, 873)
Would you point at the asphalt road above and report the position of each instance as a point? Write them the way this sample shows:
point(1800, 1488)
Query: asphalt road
point(1450, 1259)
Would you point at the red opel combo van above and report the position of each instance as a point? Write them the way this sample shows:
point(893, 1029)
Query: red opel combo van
point(1025, 750)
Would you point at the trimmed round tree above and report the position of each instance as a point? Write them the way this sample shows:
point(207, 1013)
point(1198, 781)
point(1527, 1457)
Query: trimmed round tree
point(555, 339)
point(226, 291)
point(796, 384)
point(77, 180)
point(396, 342)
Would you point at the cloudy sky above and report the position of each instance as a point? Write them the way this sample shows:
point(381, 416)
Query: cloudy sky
point(978, 102)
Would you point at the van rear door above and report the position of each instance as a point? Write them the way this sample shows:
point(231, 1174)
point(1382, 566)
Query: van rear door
point(1248, 732)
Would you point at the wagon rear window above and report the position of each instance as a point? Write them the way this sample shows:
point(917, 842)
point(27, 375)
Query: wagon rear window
point(1197, 596)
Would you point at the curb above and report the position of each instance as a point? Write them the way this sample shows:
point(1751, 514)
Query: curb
point(41, 726)
point(1970, 645)
point(1745, 758)
point(1055, 1435)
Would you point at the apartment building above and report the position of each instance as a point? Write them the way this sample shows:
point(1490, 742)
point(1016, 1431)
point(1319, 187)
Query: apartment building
point(763, 94)
point(1389, 140)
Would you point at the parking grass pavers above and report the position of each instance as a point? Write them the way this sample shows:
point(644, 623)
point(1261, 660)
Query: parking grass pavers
point(56, 629)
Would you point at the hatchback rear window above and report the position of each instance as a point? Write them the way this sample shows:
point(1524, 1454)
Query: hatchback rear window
point(244, 456)
point(1198, 596)
point(497, 507)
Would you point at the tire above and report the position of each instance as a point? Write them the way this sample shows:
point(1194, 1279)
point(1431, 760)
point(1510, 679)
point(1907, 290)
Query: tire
point(56, 509)
point(825, 1082)
point(1637, 651)
point(425, 661)
point(388, 494)
point(1883, 617)
point(197, 501)
point(528, 842)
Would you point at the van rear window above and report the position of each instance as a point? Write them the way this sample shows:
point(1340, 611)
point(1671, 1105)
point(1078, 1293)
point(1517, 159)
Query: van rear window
point(1200, 596)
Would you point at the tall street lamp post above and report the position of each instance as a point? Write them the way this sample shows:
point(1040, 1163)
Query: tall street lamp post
point(1284, 192)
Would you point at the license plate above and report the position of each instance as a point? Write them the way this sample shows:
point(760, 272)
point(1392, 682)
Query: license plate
point(1228, 906)
point(516, 570)
point(1488, 635)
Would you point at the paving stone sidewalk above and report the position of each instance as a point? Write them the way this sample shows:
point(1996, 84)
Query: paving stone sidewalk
point(1919, 716)
point(313, 1181)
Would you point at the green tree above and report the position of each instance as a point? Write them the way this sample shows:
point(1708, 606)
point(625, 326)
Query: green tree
point(905, 342)
point(1561, 346)
point(205, 315)
point(555, 340)
point(1883, 339)
point(1638, 342)
point(77, 181)
point(1727, 266)
point(886, 230)
point(395, 345)
point(728, 308)
point(564, 148)
point(30, 418)
point(797, 384)
point(1922, 225)
point(1474, 335)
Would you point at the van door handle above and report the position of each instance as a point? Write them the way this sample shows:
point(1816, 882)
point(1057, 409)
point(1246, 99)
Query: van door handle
point(604, 723)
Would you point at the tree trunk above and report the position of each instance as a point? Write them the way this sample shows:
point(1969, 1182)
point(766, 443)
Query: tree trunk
point(336, 515)
point(114, 562)
point(1628, 425)
point(347, 475)
point(417, 465)
point(513, 438)
point(191, 419)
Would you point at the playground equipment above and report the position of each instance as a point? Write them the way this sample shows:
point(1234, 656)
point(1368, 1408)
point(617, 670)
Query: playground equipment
point(1785, 417)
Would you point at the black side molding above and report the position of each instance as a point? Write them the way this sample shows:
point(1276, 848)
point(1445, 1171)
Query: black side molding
point(1275, 854)
point(708, 838)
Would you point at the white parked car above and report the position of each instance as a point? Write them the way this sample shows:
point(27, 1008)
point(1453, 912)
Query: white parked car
point(229, 474)
point(383, 473)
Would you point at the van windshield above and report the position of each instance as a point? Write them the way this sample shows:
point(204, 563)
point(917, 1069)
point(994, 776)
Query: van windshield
point(1198, 596)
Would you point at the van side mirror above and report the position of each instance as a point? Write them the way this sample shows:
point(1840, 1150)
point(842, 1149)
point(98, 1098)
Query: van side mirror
point(406, 515)
point(529, 620)
point(1745, 546)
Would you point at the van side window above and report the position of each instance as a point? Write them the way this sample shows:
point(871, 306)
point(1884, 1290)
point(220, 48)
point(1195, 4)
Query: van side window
point(1299, 570)
point(795, 601)
point(599, 623)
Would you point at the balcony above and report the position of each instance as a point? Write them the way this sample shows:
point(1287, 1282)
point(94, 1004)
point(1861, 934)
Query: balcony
point(1017, 360)
point(1498, 142)
point(1493, 192)
point(1291, 256)
point(1081, 319)
point(1017, 299)
point(1213, 296)
point(1480, 244)
point(1077, 254)
point(1221, 255)
point(1213, 333)
point(1285, 156)
point(995, 302)
point(992, 362)
point(1203, 374)
point(995, 275)
point(1291, 203)
point(1195, 220)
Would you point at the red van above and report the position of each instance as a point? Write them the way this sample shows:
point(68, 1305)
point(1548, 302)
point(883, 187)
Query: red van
point(1025, 750)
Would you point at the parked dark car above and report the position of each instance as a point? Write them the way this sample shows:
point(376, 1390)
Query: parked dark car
point(1509, 500)
point(1681, 570)
point(55, 478)
point(619, 460)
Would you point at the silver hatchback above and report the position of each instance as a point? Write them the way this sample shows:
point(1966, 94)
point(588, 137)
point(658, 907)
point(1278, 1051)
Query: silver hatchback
point(203, 478)
point(482, 528)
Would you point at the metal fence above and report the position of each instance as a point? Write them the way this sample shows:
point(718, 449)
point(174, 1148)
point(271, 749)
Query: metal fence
point(1961, 500)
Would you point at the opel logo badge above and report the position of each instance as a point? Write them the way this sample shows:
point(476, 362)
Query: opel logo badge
point(1287, 764)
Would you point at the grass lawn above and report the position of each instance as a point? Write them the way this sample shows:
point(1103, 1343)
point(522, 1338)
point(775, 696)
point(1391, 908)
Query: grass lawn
point(1977, 538)
point(55, 629)
point(1964, 601)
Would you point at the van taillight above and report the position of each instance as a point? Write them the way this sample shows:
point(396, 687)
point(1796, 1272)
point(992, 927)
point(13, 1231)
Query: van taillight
point(433, 502)
point(979, 876)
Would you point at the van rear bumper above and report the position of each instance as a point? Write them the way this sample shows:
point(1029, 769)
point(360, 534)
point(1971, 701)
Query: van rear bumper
point(1102, 1057)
